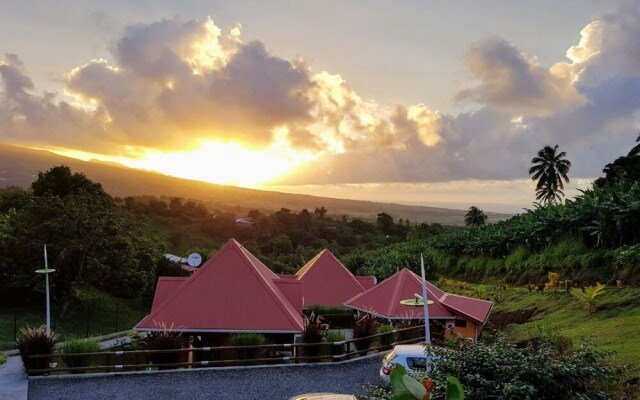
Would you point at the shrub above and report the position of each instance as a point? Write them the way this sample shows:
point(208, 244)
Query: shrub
point(333, 337)
point(248, 339)
point(165, 339)
point(538, 371)
point(588, 297)
point(80, 346)
point(387, 339)
point(36, 341)
point(365, 325)
point(313, 332)
point(3, 358)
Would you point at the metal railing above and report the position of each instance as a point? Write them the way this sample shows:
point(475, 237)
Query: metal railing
point(193, 357)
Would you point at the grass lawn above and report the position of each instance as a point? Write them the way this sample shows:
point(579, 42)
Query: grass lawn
point(613, 326)
point(96, 314)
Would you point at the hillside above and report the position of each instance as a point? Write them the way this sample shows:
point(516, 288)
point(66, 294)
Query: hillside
point(18, 167)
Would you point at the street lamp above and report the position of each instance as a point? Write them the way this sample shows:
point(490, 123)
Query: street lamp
point(46, 271)
point(425, 301)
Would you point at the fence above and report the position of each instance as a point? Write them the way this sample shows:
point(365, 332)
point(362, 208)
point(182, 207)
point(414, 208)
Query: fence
point(78, 321)
point(270, 354)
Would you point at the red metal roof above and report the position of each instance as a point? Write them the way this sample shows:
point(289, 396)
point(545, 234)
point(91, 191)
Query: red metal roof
point(367, 282)
point(384, 298)
point(164, 288)
point(326, 282)
point(476, 309)
point(233, 291)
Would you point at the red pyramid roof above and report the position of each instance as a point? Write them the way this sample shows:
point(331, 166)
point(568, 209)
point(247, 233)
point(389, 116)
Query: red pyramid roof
point(164, 288)
point(233, 291)
point(476, 309)
point(325, 281)
point(384, 298)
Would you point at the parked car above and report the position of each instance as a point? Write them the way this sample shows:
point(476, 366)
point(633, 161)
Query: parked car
point(323, 396)
point(410, 356)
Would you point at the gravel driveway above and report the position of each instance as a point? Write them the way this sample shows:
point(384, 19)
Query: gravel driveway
point(272, 383)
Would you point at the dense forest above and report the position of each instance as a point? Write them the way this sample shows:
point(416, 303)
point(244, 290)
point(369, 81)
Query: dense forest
point(116, 245)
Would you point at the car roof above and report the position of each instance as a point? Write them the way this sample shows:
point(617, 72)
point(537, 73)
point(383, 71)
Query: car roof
point(409, 349)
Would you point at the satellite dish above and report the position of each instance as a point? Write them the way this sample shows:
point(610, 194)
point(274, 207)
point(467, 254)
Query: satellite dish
point(194, 260)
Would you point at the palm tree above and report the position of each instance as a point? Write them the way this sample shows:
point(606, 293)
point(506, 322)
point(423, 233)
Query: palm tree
point(550, 168)
point(475, 217)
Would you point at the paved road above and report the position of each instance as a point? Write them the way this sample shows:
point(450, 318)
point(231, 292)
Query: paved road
point(272, 383)
point(13, 380)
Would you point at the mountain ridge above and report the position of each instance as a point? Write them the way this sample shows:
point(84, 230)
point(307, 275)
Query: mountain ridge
point(19, 167)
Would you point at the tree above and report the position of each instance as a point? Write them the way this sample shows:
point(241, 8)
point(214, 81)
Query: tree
point(320, 212)
point(550, 169)
point(60, 181)
point(625, 168)
point(635, 151)
point(385, 223)
point(475, 217)
point(90, 241)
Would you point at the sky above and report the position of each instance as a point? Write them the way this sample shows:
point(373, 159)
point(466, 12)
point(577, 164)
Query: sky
point(421, 102)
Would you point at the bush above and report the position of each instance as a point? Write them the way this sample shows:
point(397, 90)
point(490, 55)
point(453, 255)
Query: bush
point(333, 337)
point(248, 339)
point(365, 325)
point(387, 339)
point(539, 371)
point(165, 339)
point(313, 332)
point(3, 358)
point(36, 341)
point(80, 346)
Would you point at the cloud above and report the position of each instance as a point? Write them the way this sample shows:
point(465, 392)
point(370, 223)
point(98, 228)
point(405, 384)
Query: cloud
point(608, 47)
point(173, 85)
point(510, 80)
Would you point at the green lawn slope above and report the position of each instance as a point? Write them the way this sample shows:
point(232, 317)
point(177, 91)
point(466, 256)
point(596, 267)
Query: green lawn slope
point(613, 326)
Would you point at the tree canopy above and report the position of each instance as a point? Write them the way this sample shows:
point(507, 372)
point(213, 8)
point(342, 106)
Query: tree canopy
point(550, 169)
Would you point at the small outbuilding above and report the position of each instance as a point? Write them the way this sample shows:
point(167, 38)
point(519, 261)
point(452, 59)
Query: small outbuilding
point(448, 313)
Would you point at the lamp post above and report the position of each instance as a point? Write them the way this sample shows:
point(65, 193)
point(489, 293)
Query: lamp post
point(46, 271)
point(425, 301)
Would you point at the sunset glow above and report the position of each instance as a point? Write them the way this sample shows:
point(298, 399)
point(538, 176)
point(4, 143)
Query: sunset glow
point(215, 162)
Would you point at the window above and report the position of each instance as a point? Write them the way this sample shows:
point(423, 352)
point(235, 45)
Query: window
point(416, 363)
point(462, 323)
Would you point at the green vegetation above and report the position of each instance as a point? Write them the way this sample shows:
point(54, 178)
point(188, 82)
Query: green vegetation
point(588, 296)
point(538, 371)
point(364, 325)
point(612, 325)
point(76, 346)
point(475, 217)
point(36, 341)
point(3, 358)
point(91, 313)
point(248, 339)
point(406, 387)
point(550, 169)
point(335, 336)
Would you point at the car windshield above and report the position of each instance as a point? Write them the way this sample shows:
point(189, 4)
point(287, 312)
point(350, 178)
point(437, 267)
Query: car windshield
point(389, 357)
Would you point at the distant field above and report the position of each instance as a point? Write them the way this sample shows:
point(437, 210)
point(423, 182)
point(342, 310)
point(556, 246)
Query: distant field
point(19, 166)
